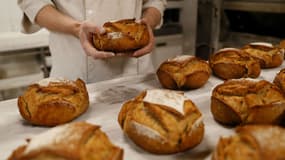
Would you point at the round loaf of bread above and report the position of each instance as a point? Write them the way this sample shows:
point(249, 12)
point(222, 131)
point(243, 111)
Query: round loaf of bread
point(122, 36)
point(252, 142)
point(244, 101)
point(268, 55)
point(78, 140)
point(279, 80)
point(162, 121)
point(183, 72)
point(53, 101)
point(232, 63)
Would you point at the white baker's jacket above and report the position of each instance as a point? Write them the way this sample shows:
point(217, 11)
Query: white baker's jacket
point(68, 58)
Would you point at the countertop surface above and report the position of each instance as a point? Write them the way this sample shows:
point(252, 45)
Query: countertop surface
point(11, 41)
point(106, 99)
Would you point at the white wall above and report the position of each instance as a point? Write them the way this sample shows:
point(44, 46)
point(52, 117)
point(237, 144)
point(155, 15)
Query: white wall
point(10, 16)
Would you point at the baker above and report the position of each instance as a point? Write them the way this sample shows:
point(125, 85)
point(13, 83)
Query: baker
point(71, 22)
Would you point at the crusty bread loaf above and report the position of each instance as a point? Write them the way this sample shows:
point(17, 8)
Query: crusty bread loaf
point(268, 55)
point(252, 142)
point(279, 80)
point(162, 121)
point(246, 101)
point(53, 101)
point(183, 72)
point(122, 36)
point(233, 63)
point(78, 140)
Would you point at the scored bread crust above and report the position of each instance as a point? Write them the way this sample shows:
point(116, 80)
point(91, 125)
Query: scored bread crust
point(55, 103)
point(78, 140)
point(122, 36)
point(268, 56)
point(232, 63)
point(252, 142)
point(183, 72)
point(159, 128)
point(246, 101)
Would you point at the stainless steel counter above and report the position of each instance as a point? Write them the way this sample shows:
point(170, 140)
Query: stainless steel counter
point(106, 100)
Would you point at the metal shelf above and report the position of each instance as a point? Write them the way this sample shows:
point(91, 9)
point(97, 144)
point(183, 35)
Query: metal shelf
point(254, 6)
point(174, 4)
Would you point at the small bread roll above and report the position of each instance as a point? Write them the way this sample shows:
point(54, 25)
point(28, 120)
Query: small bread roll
point(267, 55)
point(53, 101)
point(252, 142)
point(78, 140)
point(246, 101)
point(122, 36)
point(233, 63)
point(183, 72)
point(162, 121)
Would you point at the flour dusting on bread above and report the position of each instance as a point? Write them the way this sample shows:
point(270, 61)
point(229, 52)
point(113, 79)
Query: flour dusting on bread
point(167, 98)
point(53, 136)
point(147, 131)
point(228, 50)
point(114, 35)
point(262, 44)
point(197, 124)
point(246, 79)
point(181, 58)
point(46, 81)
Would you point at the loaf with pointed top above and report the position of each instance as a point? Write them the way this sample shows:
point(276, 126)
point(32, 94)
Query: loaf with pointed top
point(252, 142)
point(162, 121)
point(247, 101)
point(53, 101)
point(78, 140)
point(233, 63)
point(183, 72)
point(268, 55)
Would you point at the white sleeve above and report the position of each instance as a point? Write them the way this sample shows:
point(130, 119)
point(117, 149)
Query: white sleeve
point(160, 5)
point(31, 9)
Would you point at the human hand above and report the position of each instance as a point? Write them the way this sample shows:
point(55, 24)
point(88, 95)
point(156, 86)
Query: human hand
point(149, 47)
point(87, 29)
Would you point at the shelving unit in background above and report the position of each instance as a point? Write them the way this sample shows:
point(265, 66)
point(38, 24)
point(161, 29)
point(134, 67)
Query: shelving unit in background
point(266, 12)
point(215, 27)
point(23, 61)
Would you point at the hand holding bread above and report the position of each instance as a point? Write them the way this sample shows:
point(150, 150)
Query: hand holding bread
point(87, 29)
point(123, 36)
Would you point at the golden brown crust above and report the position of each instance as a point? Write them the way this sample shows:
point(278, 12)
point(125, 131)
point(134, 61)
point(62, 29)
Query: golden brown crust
point(245, 101)
point(159, 128)
point(279, 80)
point(268, 57)
point(232, 63)
point(57, 103)
point(252, 142)
point(79, 140)
point(122, 36)
point(183, 72)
